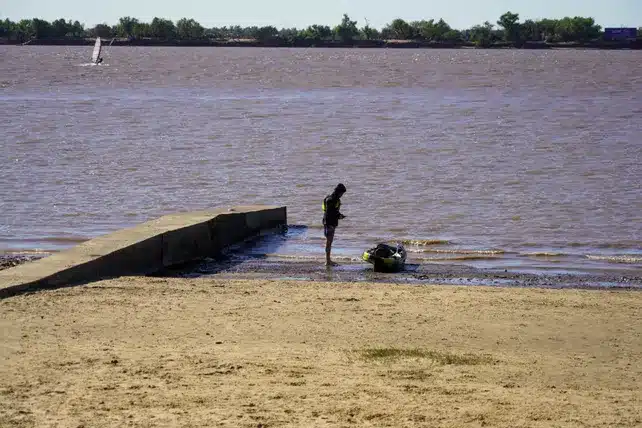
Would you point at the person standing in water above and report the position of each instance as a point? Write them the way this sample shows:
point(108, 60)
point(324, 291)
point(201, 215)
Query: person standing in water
point(331, 217)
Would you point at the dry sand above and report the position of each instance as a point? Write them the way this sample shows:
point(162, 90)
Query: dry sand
point(157, 352)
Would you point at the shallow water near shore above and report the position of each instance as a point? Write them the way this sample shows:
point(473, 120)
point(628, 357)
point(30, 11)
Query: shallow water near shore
point(277, 256)
point(494, 159)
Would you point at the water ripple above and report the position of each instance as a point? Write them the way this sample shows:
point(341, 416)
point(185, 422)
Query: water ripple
point(496, 149)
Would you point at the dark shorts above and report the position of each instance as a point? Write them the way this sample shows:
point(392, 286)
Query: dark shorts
point(328, 230)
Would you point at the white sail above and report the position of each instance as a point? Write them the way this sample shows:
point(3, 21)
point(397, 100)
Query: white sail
point(97, 48)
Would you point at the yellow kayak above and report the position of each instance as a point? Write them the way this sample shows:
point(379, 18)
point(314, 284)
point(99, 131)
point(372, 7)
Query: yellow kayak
point(386, 258)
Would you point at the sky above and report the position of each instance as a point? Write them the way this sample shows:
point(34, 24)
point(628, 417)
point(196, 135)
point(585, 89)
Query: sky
point(459, 14)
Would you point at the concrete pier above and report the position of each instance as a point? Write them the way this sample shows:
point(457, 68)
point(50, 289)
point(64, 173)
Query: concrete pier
point(143, 249)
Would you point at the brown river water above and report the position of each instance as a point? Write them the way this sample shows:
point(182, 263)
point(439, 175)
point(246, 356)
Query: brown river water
point(504, 158)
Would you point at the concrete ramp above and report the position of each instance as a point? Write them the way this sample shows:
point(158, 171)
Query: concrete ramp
point(143, 249)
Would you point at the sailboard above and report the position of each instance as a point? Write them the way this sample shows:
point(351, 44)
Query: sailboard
point(97, 48)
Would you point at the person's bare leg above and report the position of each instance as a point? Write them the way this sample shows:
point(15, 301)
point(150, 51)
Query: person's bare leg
point(328, 248)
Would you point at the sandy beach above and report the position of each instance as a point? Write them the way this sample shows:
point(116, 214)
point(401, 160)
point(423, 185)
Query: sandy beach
point(265, 353)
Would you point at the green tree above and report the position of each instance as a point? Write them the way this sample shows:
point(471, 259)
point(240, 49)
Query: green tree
point(250, 31)
point(567, 29)
point(101, 30)
point(236, 32)
point(76, 29)
point(41, 29)
point(453, 36)
point(316, 33)
point(79, 29)
point(162, 29)
point(60, 28)
point(442, 28)
point(215, 33)
point(433, 31)
point(424, 30)
point(369, 33)
point(510, 25)
point(576, 29)
point(141, 30)
point(548, 29)
point(24, 30)
point(482, 35)
point(347, 30)
point(6, 27)
point(531, 31)
point(289, 35)
point(265, 34)
point(125, 27)
point(189, 29)
point(584, 29)
point(399, 29)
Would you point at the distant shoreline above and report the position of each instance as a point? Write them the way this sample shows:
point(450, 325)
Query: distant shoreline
point(393, 44)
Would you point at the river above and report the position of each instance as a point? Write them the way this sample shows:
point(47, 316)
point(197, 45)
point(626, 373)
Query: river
point(494, 158)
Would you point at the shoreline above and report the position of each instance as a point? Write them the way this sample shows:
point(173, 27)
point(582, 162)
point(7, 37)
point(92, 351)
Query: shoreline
point(237, 266)
point(363, 44)
point(202, 352)
point(259, 268)
point(9, 260)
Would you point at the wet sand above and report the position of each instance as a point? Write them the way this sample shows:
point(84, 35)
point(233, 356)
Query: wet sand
point(264, 353)
point(239, 266)
point(10, 260)
point(244, 267)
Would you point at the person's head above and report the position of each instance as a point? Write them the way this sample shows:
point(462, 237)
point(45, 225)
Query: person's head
point(339, 190)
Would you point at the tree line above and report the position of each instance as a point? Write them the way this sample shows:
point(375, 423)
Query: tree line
point(508, 29)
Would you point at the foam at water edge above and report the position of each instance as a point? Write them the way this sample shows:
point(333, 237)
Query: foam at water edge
point(425, 242)
point(624, 258)
point(91, 64)
point(455, 251)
